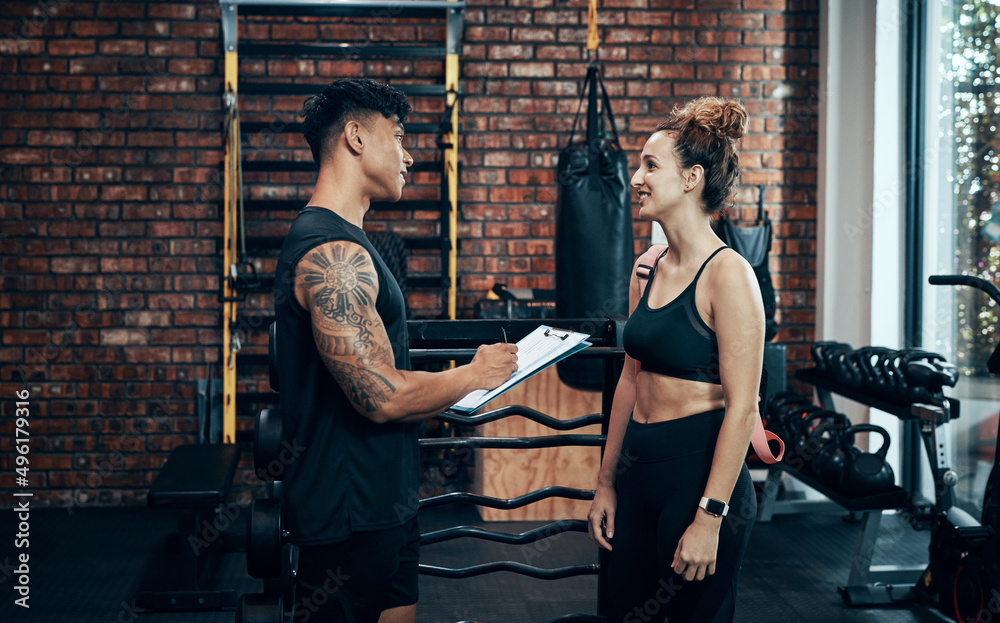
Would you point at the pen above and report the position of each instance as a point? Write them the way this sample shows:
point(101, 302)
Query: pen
point(503, 334)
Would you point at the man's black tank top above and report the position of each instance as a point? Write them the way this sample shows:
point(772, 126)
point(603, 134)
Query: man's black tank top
point(346, 473)
point(673, 340)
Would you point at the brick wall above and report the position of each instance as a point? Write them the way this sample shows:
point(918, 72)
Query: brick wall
point(110, 145)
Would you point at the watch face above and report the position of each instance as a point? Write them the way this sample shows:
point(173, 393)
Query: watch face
point(715, 507)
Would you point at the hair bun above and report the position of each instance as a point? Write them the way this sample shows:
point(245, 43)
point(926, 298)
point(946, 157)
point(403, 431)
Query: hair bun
point(724, 118)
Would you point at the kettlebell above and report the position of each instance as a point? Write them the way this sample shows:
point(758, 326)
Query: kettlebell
point(896, 388)
point(778, 406)
point(866, 473)
point(794, 425)
point(926, 375)
point(831, 354)
point(817, 430)
point(828, 464)
point(874, 377)
point(776, 402)
point(847, 368)
point(820, 354)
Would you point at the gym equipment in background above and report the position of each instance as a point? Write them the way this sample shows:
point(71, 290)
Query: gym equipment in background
point(593, 244)
point(753, 242)
point(962, 577)
point(270, 556)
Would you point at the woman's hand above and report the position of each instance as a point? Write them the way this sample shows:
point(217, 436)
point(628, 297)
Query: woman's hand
point(694, 558)
point(601, 518)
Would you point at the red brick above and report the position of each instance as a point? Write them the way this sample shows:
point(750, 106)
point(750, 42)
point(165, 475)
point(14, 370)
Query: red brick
point(172, 48)
point(484, 70)
point(48, 175)
point(145, 29)
point(122, 10)
point(649, 18)
point(71, 83)
point(563, 17)
point(45, 65)
point(627, 35)
point(71, 47)
point(21, 46)
point(749, 21)
point(95, 65)
point(210, 30)
point(295, 32)
point(171, 11)
point(90, 28)
point(486, 33)
point(531, 177)
point(532, 34)
point(123, 193)
point(74, 265)
point(23, 156)
point(508, 52)
point(75, 120)
point(742, 55)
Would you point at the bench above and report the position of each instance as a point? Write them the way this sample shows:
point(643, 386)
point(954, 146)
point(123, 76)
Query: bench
point(195, 482)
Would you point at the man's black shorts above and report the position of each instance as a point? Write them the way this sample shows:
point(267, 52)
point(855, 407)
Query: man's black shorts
point(353, 581)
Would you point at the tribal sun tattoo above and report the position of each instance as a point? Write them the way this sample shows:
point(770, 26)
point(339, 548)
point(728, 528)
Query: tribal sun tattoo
point(343, 289)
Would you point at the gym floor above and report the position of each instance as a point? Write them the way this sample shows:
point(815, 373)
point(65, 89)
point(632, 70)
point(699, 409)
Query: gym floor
point(85, 567)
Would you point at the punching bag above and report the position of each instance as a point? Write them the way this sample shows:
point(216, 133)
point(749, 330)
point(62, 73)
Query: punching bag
point(593, 246)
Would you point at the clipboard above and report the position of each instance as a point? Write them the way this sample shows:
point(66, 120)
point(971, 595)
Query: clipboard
point(538, 350)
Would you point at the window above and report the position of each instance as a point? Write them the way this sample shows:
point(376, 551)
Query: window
point(959, 177)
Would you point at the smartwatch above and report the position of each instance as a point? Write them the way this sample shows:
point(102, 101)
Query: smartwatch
point(716, 508)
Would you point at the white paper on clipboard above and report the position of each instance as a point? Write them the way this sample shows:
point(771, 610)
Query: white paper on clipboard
point(538, 350)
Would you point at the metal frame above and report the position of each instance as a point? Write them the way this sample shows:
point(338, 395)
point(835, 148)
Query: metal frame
point(229, 307)
point(229, 10)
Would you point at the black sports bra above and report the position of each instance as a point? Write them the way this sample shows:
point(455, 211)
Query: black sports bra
point(673, 340)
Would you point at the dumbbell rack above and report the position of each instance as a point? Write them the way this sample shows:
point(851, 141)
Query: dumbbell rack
point(867, 584)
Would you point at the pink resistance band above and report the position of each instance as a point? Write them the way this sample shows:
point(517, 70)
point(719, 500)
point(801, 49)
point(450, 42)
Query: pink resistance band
point(760, 437)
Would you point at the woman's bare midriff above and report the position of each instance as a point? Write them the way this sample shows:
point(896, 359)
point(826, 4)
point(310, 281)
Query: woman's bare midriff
point(667, 398)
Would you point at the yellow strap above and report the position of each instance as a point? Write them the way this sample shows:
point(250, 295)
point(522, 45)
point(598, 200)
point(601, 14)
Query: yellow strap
point(592, 39)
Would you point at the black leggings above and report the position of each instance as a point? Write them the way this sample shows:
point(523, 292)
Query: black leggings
point(662, 473)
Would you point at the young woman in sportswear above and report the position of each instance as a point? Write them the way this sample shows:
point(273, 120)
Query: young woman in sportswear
point(674, 502)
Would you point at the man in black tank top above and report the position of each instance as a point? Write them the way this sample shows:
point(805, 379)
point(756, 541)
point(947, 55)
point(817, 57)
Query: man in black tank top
point(348, 396)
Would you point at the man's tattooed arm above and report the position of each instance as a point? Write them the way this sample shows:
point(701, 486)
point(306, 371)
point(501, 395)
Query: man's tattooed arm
point(337, 283)
point(342, 286)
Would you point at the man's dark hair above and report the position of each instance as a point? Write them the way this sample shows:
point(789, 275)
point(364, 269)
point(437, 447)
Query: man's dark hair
point(354, 99)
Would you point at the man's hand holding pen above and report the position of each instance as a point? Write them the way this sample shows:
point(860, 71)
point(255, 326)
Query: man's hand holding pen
point(496, 361)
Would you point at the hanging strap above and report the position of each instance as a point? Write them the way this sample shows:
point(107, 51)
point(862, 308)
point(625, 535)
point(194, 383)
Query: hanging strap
point(594, 177)
point(760, 437)
point(594, 78)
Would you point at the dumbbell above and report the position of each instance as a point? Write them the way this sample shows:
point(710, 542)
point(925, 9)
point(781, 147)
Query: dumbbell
point(266, 537)
point(269, 557)
point(267, 444)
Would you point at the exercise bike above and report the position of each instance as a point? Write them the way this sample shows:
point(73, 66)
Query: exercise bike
point(962, 578)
